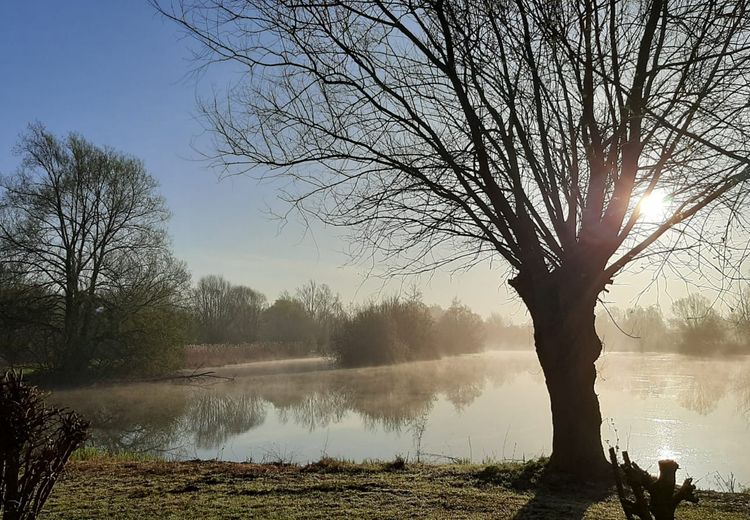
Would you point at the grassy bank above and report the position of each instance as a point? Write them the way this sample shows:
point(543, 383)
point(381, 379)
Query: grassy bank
point(117, 488)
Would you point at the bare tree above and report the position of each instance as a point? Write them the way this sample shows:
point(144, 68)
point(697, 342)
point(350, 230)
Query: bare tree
point(534, 131)
point(324, 307)
point(79, 222)
point(318, 300)
point(210, 303)
point(699, 328)
point(226, 313)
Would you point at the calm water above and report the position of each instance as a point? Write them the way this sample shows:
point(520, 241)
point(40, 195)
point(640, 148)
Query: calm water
point(487, 406)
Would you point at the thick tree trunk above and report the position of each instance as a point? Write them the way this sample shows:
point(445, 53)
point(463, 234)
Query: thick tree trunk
point(576, 419)
point(567, 346)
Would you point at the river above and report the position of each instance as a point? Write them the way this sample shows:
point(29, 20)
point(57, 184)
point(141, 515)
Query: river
point(484, 407)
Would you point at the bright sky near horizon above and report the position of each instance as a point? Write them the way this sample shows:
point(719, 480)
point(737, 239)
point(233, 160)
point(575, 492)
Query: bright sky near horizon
point(118, 74)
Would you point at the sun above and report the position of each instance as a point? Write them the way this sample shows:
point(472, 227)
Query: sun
point(653, 206)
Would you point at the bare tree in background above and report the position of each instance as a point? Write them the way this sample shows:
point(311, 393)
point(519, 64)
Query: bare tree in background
point(226, 313)
point(84, 226)
point(210, 300)
point(324, 307)
point(534, 131)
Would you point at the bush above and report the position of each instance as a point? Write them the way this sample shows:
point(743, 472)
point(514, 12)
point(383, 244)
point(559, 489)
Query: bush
point(459, 330)
point(390, 332)
point(286, 321)
point(35, 444)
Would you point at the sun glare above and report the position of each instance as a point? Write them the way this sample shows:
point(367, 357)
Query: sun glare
point(653, 206)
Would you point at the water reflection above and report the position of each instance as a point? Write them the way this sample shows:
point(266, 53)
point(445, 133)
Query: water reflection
point(214, 418)
point(698, 384)
point(482, 396)
point(138, 418)
point(741, 388)
point(149, 417)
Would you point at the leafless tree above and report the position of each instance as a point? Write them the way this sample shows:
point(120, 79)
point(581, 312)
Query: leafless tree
point(226, 313)
point(324, 307)
point(79, 222)
point(529, 130)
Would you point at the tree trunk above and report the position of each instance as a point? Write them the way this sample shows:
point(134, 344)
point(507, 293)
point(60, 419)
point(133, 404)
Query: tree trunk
point(567, 346)
point(576, 419)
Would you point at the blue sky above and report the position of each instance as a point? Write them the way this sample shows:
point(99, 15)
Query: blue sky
point(119, 74)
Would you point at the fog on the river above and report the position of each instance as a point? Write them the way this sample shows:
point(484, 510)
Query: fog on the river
point(479, 407)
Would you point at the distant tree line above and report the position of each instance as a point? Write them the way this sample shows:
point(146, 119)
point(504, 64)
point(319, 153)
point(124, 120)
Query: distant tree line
point(235, 314)
point(90, 288)
point(695, 328)
point(314, 321)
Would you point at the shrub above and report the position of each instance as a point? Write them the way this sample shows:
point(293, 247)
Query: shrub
point(390, 332)
point(459, 330)
point(286, 321)
point(35, 443)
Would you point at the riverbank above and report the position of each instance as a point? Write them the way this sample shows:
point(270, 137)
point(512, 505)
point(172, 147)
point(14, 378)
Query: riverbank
point(108, 488)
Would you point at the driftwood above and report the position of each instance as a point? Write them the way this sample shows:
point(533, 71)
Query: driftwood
point(663, 498)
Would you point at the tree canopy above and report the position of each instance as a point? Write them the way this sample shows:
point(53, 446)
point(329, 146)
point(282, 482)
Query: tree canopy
point(530, 129)
point(82, 234)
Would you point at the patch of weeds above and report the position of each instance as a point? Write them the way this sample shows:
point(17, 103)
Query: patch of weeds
point(91, 453)
point(329, 465)
point(276, 457)
point(726, 484)
point(514, 476)
point(397, 464)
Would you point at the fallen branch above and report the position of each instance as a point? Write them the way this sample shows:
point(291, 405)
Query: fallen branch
point(193, 376)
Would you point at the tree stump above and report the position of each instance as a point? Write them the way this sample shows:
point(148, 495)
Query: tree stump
point(663, 498)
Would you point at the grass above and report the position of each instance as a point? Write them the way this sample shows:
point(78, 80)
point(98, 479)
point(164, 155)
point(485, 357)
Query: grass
point(103, 487)
point(92, 454)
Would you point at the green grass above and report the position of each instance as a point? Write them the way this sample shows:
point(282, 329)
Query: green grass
point(104, 487)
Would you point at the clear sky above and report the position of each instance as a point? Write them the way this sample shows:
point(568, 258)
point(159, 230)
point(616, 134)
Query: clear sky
point(118, 73)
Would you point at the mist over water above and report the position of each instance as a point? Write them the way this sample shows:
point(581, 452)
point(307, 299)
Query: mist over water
point(479, 407)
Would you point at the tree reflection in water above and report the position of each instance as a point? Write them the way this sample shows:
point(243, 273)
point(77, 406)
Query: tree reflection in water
point(697, 384)
point(140, 418)
point(158, 416)
point(212, 418)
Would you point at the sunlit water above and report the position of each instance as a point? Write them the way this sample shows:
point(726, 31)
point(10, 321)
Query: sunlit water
point(480, 407)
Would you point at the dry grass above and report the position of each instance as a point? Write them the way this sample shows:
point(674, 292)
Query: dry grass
point(101, 488)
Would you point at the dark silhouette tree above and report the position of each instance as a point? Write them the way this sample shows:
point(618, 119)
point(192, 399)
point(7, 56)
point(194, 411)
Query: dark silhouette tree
point(84, 226)
point(455, 131)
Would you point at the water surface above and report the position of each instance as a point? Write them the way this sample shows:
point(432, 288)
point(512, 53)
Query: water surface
point(480, 407)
